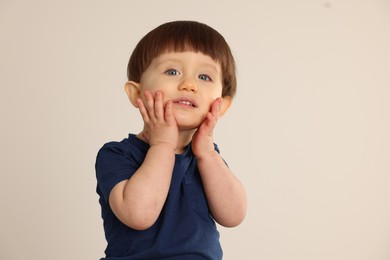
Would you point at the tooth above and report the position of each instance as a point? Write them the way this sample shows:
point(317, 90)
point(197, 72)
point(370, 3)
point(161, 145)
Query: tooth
point(185, 103)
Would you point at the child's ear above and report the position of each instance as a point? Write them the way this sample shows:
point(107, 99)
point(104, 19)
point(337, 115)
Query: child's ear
point(226, 102)
point(133, 92)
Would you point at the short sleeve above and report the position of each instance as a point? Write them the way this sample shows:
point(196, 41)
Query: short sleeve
point(113, 165)
point(217, 149)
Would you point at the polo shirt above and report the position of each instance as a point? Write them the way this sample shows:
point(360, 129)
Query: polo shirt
point(184, 229)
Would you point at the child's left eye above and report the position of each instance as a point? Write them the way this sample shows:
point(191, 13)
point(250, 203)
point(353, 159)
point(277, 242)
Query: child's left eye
point(204, 77)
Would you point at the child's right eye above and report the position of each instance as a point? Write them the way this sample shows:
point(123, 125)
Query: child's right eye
point(172, 72)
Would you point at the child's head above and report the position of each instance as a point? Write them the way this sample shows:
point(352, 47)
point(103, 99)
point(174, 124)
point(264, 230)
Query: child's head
point(180, 36)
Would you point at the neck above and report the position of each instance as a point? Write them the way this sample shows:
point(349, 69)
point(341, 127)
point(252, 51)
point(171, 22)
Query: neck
point(185, 137)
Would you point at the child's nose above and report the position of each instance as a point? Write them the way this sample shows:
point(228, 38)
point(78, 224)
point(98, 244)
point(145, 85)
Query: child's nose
point(188, 85)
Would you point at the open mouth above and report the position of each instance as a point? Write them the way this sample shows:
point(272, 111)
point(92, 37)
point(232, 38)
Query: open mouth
point(185, 102)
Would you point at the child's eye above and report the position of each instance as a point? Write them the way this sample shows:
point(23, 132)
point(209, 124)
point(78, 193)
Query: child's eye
point(204, 77)
point(172, 72)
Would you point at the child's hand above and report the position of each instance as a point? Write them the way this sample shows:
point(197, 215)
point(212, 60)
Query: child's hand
point(202, 141)
point(160, 125)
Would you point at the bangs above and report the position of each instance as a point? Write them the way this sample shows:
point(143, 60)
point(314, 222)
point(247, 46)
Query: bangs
point(181, 37)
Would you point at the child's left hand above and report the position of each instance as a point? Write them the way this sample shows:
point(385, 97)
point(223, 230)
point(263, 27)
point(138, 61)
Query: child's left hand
point(202, 141)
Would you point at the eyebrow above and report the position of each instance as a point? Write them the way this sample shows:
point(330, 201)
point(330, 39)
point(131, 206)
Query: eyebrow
point(173, 60)
point(212, 67)
point(159, 63)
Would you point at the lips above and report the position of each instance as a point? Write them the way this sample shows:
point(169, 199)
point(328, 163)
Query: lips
point(185, 101)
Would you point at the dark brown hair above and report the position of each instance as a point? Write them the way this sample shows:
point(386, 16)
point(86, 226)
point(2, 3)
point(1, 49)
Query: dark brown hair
point(180, 36)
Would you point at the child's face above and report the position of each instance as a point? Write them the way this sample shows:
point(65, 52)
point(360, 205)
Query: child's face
point(191, 80)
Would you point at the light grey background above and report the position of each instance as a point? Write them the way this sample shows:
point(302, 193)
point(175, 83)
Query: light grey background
point(308, 133)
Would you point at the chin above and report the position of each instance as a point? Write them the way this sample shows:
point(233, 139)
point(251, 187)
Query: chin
point(187, 127)
point(186, 123)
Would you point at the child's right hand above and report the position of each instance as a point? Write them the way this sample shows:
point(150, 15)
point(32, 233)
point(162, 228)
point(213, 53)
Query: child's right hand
point(138, 201)
point(160, 124)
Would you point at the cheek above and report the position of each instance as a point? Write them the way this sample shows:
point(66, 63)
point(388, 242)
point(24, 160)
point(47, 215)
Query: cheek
point(215, 93)
point(150, 83)
point(155, 85)
point(212, 98)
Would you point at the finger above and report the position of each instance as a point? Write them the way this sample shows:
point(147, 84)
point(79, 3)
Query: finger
point(159, 105)
point(143, 111)
point(169, 117)
point(207, 125)
point(149, 103)
point(211, 120)
point(216, 107)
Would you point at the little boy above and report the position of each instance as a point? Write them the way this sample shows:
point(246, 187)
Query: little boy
point(162, 190)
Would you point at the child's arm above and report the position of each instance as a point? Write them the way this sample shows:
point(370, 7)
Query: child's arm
point(225, 194)
point(137, 202)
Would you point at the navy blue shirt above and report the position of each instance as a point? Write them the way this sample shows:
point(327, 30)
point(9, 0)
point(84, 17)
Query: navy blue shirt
point(184, 230)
